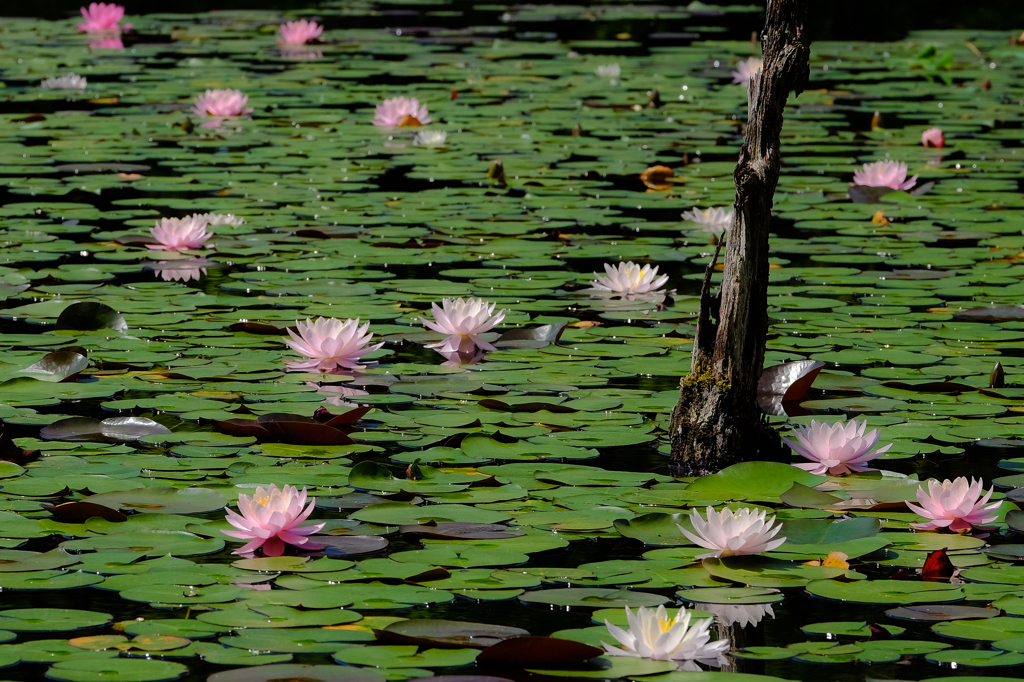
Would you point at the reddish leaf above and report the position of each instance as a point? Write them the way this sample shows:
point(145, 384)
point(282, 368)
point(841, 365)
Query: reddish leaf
point(877, 632)
point(240, 427)
point(294, 428)
point(350, 417)
point(305, 433)
point(938, 567)
point(257, 328)
point(80, 512)
point(9, 452)
point(533, 651)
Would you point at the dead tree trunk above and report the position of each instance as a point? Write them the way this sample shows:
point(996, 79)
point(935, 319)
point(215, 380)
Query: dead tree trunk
point(717, 421)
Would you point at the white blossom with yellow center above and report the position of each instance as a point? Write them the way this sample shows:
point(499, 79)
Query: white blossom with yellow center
point(652, 634)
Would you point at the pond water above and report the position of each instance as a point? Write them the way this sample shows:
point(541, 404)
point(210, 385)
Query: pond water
point(564, 443)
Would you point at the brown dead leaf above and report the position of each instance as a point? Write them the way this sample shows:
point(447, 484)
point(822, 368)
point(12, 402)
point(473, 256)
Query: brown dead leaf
point(657, 178)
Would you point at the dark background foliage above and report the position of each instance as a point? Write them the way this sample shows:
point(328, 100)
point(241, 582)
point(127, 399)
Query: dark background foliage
point(831, 19)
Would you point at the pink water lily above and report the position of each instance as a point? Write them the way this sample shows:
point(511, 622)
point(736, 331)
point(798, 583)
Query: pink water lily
point(958, 505)
point(270, 519)
point(933, 137)
point(733, 533)
point(101, 16)
point(401, 112)
point(221, 103)
point(299, 32)
point(746, 69)
point(835, 449)
point(330, 344)
point(884, 174)
point(463, 320)
point(180, 234)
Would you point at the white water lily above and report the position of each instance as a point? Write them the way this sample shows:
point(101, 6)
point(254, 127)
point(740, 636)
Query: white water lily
point(609, 71)
point(713, 219)
point(430, 138)
point(69, 81)
point(221, 219)
point(653, 635)
point(732, 533)
point(629, 279)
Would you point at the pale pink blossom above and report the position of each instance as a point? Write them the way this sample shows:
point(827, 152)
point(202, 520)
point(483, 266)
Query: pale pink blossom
point(653, 635)
point(629, 279)
point(180, 234)
point(221, 103)
point(933, 137)
point(958, 505)
point(463, 320)
point(884, 174)
point(330, 344)
point(835, 449)
point(729, 533)
point(270, 519)
point(401, 112)
point(299, 32)
point(101, 16)
point(746, 69)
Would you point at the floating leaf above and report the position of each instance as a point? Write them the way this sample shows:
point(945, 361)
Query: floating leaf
point(89, 316)
point(58, 365)
point(161, 500)
point(115, 428)
point(526, 650)
point(297, 671)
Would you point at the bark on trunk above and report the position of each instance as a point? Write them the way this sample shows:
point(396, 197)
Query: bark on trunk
point(717, 421)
